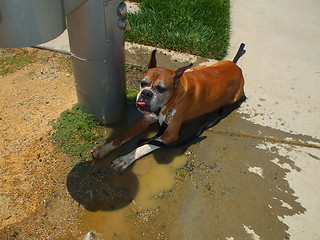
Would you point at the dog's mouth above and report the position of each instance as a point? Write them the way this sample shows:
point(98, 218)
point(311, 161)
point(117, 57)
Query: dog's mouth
point(143, 107)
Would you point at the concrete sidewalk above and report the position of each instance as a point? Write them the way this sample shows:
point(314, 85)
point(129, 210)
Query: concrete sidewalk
point(282, 73)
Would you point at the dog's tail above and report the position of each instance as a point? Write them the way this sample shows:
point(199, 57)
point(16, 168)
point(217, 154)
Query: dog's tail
point(239, 54)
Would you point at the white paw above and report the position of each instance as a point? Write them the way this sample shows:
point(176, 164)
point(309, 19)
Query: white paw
point(99, 152)
point(125, 161)
point(122, 163)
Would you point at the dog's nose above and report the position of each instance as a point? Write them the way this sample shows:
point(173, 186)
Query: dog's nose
point(146, 94)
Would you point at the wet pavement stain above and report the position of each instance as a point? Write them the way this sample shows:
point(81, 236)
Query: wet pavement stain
point(225, 197)
point(236, 187)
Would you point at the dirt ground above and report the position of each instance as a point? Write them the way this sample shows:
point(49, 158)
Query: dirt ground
point(32, 171)
point(34, 198)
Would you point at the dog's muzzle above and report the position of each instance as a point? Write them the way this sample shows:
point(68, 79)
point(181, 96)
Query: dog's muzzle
point(143, 101)
point(146, 94)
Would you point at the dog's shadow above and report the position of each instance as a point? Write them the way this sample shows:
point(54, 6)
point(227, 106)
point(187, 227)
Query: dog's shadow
point(97, 187)
point(190, 132)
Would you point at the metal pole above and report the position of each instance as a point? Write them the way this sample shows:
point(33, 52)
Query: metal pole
point(30, 22)
point(97, 47)
point(96, 36)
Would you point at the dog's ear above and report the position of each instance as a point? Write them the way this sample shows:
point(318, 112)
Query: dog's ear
point(178, 73)
point(153, 60)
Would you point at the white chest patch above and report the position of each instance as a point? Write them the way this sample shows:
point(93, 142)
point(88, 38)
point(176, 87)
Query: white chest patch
point(151, 117)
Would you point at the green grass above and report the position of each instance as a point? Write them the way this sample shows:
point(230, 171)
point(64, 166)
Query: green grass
point(11, 61)
point(182, 174)
point(131, 95)
point(75, 133)
point(136, 213)
point(200, 27)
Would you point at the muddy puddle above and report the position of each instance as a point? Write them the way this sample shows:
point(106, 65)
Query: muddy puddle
point(131, 195)
point(112, 201)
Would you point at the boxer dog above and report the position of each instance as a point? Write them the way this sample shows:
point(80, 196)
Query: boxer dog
point(175, 96)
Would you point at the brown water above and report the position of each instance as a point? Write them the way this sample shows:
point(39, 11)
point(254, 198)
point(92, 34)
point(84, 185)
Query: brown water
point(113, 202)
point(152, 179)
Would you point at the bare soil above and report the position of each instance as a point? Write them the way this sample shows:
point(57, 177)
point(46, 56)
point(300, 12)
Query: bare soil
point(34, 203)
point(32, 171)
point(34, 199)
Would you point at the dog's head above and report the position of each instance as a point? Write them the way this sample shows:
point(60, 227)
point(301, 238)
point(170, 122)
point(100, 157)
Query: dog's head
point(157, 86)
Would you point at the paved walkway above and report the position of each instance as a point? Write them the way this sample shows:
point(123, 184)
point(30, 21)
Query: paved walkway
point(282, 73)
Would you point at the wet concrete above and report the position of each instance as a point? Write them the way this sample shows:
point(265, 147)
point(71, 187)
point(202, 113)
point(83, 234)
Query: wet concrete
point(237, 186)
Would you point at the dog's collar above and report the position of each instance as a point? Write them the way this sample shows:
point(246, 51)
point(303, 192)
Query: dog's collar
point(169, 114)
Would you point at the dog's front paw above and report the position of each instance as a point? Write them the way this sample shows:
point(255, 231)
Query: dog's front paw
point(99, 152)
point(122, 163)
point(102, 151)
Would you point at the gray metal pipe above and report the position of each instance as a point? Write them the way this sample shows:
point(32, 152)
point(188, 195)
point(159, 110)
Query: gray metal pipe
point(97, 47)
point(96, 39)
point(30, 22)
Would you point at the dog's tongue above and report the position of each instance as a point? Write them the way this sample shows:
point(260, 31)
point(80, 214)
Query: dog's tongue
point(142, 104)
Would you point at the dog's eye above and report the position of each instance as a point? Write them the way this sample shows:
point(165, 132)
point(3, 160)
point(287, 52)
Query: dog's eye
point(144, 84)
point(161, 89)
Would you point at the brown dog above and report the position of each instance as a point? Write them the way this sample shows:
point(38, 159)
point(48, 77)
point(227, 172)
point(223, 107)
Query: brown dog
point(172, 97)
